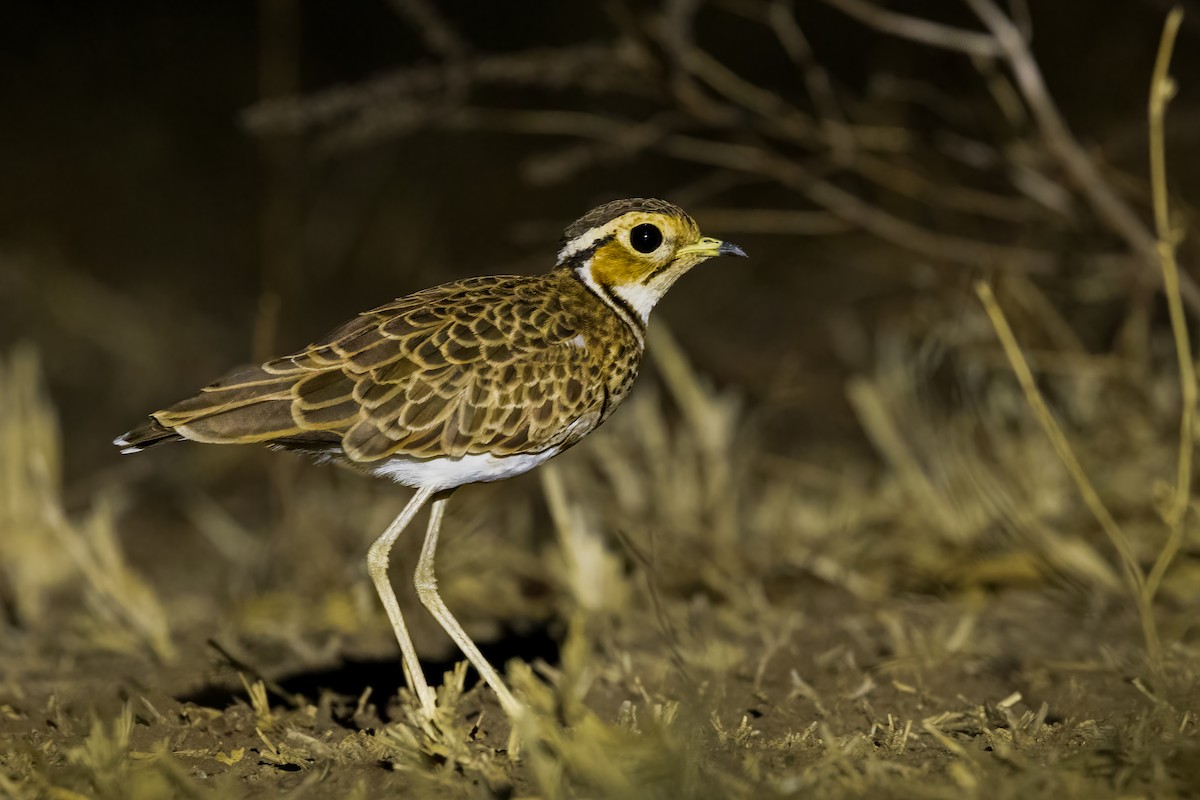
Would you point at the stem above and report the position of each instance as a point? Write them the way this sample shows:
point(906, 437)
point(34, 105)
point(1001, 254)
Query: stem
point(1162, 88)
point(1133, 572)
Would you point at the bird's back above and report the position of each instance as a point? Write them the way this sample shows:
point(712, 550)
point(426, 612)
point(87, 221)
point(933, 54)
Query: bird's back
point(497, 366)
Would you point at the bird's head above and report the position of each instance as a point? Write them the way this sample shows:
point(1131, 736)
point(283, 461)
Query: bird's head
point(634, 250)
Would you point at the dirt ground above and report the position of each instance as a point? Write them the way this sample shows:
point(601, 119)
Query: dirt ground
point(828, 548)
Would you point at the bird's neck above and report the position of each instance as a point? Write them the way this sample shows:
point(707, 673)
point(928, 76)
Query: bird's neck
point(631, 303)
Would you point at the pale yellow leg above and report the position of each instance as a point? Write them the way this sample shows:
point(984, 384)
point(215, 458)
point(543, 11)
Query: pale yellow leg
point(426, 584)
point(377, 566)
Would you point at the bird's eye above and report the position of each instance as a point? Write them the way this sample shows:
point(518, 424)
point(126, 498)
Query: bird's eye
point(645, 238)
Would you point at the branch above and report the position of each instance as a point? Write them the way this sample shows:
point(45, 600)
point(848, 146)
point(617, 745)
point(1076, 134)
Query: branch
point(439, 36)
point(851, 208)
point(918, 30)
point(1103, 200)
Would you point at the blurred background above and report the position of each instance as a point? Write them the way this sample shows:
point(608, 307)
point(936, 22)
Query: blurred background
point(828, 440)
point(154, 199)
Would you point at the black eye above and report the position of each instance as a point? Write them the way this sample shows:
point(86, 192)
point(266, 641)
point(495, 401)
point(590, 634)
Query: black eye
point(645, 238)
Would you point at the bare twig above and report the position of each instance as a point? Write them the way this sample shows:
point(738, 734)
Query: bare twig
point(782, 20)
point(1058, 136)
point(773, 109)
point(441, 38)
point(586, 67)
point(678, 33)
point(907, 181)
point(438, 34)
point(703, 112)
point(919, 30)
point(780, 17)
point(848, 206)
point(755, 160)
point(1109, 206)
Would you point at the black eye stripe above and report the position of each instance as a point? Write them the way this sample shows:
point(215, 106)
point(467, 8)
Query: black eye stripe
point(645, 238)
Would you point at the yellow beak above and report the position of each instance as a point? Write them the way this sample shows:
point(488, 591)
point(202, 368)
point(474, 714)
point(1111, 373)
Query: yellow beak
point(709, 248)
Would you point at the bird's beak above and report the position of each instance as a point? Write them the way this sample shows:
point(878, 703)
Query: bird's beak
point(708, 248)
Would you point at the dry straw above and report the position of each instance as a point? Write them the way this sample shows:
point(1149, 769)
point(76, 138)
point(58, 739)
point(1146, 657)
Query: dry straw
point(43, 549)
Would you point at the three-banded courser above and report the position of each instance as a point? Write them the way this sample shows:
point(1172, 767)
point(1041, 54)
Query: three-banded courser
point(474, 380)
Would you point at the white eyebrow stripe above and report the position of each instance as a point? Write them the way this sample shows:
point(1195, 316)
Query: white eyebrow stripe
point(588, 238)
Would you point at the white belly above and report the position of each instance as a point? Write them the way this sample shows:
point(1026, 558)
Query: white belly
point(448, 473)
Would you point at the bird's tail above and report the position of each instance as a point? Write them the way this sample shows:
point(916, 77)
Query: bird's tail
point(147, 435)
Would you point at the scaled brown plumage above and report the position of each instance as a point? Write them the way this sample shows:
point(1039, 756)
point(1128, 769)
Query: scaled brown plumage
point(500, 365)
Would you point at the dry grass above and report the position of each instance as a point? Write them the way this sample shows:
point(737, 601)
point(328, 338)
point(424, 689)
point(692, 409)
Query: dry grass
point(44, 550)
point(786, 656)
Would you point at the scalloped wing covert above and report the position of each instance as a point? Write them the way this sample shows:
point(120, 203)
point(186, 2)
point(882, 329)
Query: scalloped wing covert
point(500, 365)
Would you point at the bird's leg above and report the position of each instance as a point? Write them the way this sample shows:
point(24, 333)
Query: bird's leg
point(426, 583)
point(377, 566)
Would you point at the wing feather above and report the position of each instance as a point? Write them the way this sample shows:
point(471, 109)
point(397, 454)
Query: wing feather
point(483, 365)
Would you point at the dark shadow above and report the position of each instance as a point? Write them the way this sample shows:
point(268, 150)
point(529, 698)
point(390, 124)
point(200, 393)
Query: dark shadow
point(385, 675)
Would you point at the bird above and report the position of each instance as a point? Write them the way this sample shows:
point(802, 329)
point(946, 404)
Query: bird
point(471, 381)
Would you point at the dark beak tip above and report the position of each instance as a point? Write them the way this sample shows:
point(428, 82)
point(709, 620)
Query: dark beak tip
point(731, 249)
